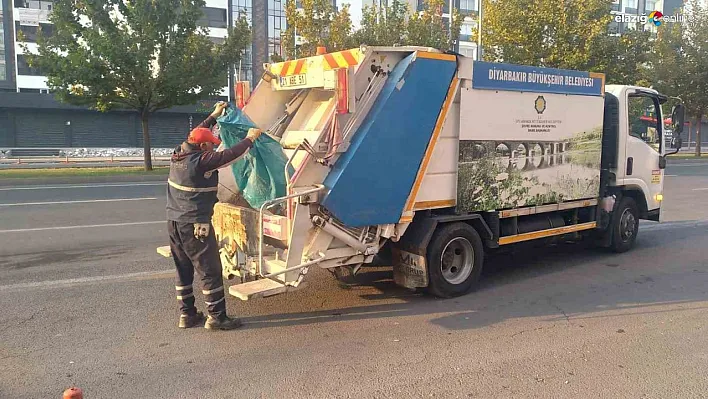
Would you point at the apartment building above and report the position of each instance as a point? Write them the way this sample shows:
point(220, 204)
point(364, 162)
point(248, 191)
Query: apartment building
point(628, 14)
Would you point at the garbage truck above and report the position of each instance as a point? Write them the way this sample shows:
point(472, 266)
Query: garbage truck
point(424, 161)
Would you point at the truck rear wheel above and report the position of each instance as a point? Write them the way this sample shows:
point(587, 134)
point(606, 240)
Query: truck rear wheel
point(455, 256)
point(625, 225)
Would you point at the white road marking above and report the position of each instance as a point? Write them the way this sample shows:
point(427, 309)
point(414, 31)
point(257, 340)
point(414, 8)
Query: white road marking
point(670, 175)
point(674, 225)
point(83, 186)
point(86, 226)
point(700, 189)
point(80, 201)
point(81, 280)
point(688, 164)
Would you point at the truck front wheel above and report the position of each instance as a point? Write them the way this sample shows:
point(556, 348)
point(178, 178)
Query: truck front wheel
point(455, 256)
point(625, 225)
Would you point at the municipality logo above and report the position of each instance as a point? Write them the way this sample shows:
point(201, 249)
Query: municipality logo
point(540, 105)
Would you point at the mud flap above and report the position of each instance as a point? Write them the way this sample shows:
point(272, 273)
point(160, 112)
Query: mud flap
point(409, 269)
point(409, 263)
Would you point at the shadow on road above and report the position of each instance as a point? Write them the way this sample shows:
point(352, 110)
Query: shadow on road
point(565, 283)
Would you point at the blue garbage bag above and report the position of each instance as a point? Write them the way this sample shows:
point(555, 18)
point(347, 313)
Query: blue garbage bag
point(260, 174)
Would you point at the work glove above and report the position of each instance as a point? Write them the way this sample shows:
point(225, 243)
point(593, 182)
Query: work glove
point(201, 231)
point(253, 134)
point(219, 109)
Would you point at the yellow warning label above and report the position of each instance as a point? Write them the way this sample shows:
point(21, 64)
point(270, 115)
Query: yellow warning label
point(656, 176)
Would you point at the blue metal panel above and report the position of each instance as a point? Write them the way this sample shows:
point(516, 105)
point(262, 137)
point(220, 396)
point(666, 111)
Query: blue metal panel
point(499, 76)
point(370, 183)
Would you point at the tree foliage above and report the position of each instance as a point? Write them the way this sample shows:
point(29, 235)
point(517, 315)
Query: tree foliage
point(550, 33)
point(396, 24)
point(428, 28)
point(383, 26)
point(624, 59)
point(681, 62)
point(317, 23)
point(144, 55)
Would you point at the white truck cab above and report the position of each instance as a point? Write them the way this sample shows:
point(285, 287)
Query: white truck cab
point(641, 149)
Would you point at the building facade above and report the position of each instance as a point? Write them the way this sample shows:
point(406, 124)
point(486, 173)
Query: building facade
point(626, 13)
point(268, 22)
point(31, 117)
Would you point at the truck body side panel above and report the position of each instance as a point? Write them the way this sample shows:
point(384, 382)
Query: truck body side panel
point(523, 143)
point(371, 182)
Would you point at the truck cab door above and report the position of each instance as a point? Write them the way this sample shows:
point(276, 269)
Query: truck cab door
point(644, 147)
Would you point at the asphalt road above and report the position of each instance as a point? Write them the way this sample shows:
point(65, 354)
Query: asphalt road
point(94, 306)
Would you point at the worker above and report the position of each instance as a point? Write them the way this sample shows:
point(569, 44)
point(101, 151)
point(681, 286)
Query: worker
point(191, 196)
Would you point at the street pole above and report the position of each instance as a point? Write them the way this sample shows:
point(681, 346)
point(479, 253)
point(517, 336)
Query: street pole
point(457, 39)
point(479, 33)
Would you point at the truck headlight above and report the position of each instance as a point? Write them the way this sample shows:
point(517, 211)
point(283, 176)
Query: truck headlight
point(659, 197)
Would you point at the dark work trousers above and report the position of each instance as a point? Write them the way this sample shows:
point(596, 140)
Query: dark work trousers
point(190, 255)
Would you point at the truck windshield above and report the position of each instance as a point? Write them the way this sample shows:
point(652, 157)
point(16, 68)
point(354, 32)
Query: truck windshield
point(644, 122)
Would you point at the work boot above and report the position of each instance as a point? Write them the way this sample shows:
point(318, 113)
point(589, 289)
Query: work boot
point(190, 320)
point(222, 322)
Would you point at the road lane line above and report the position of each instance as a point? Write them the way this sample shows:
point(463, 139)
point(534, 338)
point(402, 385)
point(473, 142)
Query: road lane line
point(86, 226)
point(115, 277)
point(136, 184)
point(670, 175)
point(81, 201)
point(700, 189)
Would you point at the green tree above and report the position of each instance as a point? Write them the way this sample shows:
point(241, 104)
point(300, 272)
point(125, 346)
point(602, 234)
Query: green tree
point(428, 28)
point(624, 59)
point(144, 55)
point(681, 62)
point(383, 26)
point(550, 33)
point(317, 23)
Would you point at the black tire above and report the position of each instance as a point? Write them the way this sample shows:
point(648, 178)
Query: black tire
point(625, 225)
point(451, 278)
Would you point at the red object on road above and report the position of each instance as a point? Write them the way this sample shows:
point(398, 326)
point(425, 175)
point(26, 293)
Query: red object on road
point(73, 393)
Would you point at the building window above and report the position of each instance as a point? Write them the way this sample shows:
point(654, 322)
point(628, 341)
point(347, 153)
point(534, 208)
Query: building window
point(650, 6)
point(30, 32)
point(630, 4)
point(3, 64)
point(242, 8)
point(468, 6)
point(23, 67)
point(213, 18)
point(614, 27)
point(276, 26)
point(34, 4)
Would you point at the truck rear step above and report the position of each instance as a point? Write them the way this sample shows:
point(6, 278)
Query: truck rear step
point(260, 289)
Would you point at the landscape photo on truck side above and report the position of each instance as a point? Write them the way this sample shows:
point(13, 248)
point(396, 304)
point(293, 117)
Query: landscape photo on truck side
point(494, 175)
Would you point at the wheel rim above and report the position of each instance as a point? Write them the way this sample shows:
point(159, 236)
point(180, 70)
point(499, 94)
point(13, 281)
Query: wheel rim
point(457, 260)
point(627, 225)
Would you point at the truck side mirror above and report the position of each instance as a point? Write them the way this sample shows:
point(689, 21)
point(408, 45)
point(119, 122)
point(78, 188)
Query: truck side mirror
point(678, 116)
